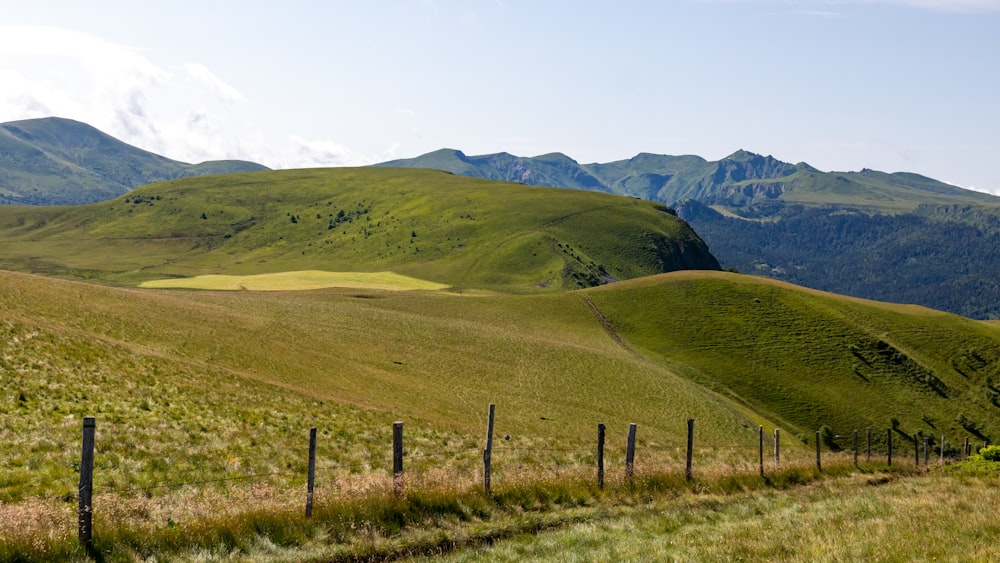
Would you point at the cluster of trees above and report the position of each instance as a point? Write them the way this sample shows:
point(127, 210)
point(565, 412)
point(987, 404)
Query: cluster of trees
point(926, 257)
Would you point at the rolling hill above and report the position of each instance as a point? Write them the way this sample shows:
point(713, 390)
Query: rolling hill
point(897, 237)
point(424, 224)
point(55, 161)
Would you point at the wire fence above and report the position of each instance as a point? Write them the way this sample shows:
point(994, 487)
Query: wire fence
point(462, 465)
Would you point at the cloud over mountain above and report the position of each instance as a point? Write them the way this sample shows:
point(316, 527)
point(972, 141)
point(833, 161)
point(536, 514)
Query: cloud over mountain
point(184, 111)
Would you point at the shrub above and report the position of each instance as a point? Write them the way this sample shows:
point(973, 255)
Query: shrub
point(990, 453)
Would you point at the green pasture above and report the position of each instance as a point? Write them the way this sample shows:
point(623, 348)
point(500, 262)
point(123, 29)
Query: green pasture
point(296, 281)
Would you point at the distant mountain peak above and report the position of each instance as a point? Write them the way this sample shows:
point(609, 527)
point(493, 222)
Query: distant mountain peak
point(743, 155)
point(448, 152)
point(60, 161)
point(555, 157)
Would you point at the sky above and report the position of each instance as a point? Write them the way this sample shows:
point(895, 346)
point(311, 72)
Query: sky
point(893, 85)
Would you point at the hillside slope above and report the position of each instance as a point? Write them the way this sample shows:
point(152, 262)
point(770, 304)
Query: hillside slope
point(807, 358)
point(196, 376)
point(425, 224)
point(55, 161)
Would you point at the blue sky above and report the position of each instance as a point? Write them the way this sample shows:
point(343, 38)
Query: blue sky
point(893, 85)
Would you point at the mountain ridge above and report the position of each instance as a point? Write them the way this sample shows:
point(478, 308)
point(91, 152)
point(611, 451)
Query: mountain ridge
point(740, 179)
point(899, 237)
point(59, 161)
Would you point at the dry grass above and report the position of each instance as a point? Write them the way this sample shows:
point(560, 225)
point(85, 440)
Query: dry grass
point(862, 517)
point(297, 281)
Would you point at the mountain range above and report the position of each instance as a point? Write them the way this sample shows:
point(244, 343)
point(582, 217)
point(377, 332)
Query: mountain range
point(897, 237)
point(741, 180)
point(55, 161)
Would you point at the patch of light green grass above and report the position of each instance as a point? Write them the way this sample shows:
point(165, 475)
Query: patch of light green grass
point(295, 281)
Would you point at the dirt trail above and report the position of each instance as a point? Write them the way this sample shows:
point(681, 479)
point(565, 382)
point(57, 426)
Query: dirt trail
point(607, 326)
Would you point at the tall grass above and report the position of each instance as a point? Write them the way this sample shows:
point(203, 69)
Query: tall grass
point(366, 522)
point(860, 517)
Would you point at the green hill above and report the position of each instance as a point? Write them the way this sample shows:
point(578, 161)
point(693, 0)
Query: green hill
point(55, 161)
point(425, 224)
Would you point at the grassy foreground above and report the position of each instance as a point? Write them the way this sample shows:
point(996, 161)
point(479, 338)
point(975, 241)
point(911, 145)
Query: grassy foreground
point(856, 518)
point(795, 514)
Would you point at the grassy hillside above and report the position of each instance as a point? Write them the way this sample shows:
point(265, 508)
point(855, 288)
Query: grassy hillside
point(55, 161)
point(177, 367)
point(424, 224)
point(806, 359)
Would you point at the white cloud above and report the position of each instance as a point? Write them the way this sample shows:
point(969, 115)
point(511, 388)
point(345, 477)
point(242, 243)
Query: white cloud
point(312, 153)
point(183, 111)
point(308, 153)
point(199, 73)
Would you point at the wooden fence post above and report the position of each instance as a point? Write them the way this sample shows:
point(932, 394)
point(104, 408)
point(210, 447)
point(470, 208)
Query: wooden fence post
point(690, 449)
point(86, 492)
point(888, 434)
point(777, 448)
point(966, 447)
point(760, 438)
point(488, 452)
point(600, 456)
point(397, 458)
point(630, 452)
point(868, 445)
point(819, 464)
point(942, 449)
point(916, 453)
point(311, 480)
point(927, 453)
point(855, 448)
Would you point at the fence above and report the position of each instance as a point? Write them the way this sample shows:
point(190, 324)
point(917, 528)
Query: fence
point(921, 455)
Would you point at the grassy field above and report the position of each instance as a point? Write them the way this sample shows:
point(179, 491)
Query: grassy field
point(296, 281)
